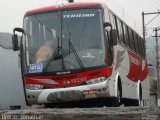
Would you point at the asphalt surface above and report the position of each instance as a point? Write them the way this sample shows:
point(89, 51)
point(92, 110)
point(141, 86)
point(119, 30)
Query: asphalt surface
point(101, 113)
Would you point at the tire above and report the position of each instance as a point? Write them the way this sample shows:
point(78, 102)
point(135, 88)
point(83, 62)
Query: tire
point(118, 100)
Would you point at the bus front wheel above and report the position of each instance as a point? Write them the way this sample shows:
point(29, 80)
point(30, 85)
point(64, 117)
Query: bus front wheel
point(118, 100)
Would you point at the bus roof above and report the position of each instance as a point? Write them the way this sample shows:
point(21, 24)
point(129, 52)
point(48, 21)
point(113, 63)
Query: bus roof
point(64, 7)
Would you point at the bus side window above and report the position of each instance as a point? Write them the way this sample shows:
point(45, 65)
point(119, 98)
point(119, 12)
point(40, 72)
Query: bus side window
point(139, 44)
point(126, 37)
point(120, 31)
point(108, 48)
point(131, 39)
point(116, 27)
point(136, 45)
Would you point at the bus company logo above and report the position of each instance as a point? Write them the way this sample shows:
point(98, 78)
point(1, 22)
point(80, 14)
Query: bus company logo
point(78, 15)
point(134, 60)
point(65, 83)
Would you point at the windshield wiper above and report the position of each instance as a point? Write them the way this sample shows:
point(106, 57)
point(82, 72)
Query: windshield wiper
point(71, 46)
point(54, 56)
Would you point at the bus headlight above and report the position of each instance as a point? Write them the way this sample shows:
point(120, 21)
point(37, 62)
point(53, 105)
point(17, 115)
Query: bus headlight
point(34, 87)
point(96, 80)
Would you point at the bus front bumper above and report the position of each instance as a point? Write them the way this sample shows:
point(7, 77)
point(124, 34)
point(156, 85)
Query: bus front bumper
point(77, 93)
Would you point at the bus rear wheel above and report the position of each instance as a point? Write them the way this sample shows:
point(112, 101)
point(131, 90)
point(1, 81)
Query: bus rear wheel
point(138, 101)
point(135, 102)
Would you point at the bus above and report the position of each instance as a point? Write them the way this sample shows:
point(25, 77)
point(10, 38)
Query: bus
point(81, 54)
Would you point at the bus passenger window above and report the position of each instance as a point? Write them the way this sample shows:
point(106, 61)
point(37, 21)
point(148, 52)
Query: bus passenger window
point(120, 31)
point(125, 35)
point(131, 39)
point(128, 42)
point(108, 48)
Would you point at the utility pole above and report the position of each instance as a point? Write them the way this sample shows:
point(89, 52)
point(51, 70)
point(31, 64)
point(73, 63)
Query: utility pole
point(143, 26)
point(157, 54)
point(157, 65)
point(143, 21)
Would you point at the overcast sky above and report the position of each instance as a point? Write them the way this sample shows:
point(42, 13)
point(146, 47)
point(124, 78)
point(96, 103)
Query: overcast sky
point(12, 11)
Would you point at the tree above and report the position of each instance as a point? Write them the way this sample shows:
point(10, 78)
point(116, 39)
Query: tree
point(153, 86)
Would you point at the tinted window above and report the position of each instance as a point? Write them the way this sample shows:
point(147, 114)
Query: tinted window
point(131, 39)
point(135, 42)
point(120, 31)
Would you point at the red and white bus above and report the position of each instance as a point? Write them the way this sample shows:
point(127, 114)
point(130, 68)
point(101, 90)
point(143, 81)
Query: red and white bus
point(81, 53)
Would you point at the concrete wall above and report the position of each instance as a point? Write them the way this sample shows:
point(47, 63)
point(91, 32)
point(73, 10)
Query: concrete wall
point(11, 86)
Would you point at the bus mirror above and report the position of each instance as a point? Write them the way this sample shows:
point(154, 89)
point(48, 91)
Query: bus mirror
point(15, 42)
point(15, 38)
point(107, 24)
point(113, 36)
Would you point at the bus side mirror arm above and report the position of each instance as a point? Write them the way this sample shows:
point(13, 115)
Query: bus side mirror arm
point(15, 38)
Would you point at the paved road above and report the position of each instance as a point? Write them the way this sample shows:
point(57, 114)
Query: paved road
point(102, 113)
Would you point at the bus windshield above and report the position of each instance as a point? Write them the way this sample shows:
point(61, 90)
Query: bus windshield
point(64, 40)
